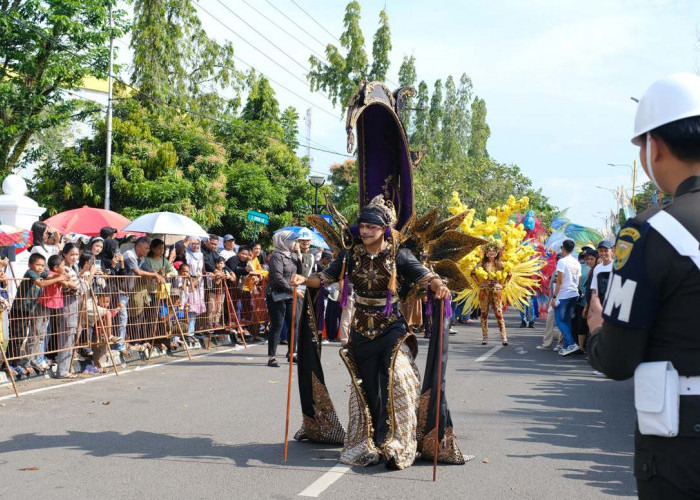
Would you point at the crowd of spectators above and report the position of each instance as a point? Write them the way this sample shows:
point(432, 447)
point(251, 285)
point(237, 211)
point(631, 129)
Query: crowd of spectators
point(98, 288)
point(576, 284)
point(81, 296)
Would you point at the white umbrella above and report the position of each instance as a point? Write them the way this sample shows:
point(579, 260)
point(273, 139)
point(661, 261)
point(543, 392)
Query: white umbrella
point(166, 223)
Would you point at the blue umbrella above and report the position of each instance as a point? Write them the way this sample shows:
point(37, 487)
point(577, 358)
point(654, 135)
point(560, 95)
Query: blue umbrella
point(316, 239)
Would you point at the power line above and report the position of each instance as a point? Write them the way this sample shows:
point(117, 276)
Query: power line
point(262, 35)
point(293, 75)
point(215, 119)
point(157, 101)
point(284, 30)
point(102, 106)
point(314, 20)
point(271, 59)
point(296, 24)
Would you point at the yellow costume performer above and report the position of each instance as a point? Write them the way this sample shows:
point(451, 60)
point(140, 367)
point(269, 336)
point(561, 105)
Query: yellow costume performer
point(508, 276)
point(491, 290)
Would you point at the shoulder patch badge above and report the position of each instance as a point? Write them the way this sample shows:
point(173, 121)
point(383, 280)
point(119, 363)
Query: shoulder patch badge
point(623, 249)
point(631, 232)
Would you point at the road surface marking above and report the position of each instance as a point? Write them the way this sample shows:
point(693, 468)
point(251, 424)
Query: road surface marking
point(323, 482)
point(122, 372)
point(491, 351)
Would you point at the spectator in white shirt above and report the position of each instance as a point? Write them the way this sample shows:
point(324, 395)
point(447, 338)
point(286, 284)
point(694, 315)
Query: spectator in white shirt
point(566, 294)
point(229, 247)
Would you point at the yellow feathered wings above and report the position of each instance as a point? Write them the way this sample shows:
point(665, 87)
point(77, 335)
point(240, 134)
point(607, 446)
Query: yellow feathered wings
point(521, 263)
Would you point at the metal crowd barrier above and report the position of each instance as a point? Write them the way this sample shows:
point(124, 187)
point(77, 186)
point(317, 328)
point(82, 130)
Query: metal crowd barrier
point(126, 312)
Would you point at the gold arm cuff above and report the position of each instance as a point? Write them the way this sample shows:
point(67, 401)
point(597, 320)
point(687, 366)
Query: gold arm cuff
point(325, 278)
point(424, 282)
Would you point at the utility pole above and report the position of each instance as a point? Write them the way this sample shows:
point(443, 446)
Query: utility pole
point(308, 137)
point(108, 156)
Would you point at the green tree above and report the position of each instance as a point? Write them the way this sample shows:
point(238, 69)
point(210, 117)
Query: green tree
point(419, 136)
point(341, 76)
point(345, 193)
point(480, 132)
point(435, 115)
point(158, 163)
point(265, 175)
point(49, 47)
point(450, 146)
point(450, 123)
point(407, 78)
point(175, 61)
point(381, 47)
point(290, 126)
point(262, 105)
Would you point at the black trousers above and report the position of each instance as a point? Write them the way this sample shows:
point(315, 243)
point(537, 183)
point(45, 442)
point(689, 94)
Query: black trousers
point(280, 313)
point(667, 468)
point(373, 359)
point(579, 324)
point(332, 319)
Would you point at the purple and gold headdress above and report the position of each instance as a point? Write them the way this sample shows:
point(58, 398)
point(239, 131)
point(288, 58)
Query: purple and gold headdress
point(384, 161)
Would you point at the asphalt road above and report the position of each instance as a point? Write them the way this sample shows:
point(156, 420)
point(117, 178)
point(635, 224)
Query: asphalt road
point(541, 426)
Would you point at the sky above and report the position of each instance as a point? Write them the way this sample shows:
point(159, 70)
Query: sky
point(557, 76)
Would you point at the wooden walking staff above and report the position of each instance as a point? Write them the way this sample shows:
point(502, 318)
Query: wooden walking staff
point(439, 390)
point(291, 366)
point(232, 314)
point(10, 371)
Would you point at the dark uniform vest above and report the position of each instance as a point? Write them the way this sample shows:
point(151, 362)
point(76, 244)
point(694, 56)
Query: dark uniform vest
point(653, 286)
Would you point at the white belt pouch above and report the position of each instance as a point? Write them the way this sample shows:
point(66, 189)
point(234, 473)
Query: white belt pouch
point(657, 398)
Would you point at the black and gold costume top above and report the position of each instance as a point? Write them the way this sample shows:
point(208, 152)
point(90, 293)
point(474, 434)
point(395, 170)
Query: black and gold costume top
point(370, 276)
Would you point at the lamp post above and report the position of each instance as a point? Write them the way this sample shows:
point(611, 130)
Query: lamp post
point(316, 181)
point(634, 176)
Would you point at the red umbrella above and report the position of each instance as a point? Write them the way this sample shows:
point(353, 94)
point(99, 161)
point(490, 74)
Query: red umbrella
point(87, 221)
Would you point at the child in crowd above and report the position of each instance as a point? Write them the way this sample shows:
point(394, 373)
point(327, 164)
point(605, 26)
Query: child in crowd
point(101, 318)
point(48, 309)
point(215, 284)
point(171, 317)
point(186, 284)
point(23, 310)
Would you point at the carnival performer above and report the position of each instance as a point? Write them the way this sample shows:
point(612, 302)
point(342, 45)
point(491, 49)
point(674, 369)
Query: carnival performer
point(380, 354)
point(507, 270)
point(392, 256)
point(491, 290)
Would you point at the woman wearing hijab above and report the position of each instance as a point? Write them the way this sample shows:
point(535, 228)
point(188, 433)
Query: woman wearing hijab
point(279, 290)
point(195, 299)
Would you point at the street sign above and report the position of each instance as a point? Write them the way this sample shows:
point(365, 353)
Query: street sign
point(328, 218)
point(257, 217)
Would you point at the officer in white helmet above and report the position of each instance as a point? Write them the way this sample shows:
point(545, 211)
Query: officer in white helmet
point(649, 324)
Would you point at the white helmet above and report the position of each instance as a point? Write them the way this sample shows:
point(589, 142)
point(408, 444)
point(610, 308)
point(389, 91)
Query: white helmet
point(669, 99)
point(304, 234)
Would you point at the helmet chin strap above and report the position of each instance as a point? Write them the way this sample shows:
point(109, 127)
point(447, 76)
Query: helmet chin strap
point(650, 168)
